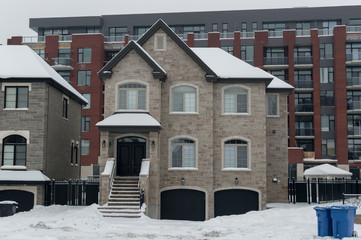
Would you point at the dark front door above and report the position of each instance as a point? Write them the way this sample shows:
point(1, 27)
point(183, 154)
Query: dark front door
point(131, 151)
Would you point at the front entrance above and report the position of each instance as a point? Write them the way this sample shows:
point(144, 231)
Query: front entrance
point(130, 152)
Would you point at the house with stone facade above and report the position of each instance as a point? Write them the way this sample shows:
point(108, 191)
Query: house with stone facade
point(194, 133)
point(40, 126)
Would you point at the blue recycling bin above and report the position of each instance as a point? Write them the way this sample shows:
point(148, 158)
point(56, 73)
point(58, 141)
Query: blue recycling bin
point(343, 218)
point(324, 221)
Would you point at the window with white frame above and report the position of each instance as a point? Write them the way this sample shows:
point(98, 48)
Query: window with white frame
point(183, 153)
point(132, 96)
point(85, 146)
point(236, 154)
point(184, 99)
point(159, 42)
point(235, 100)
point(87, 96)
point(16, 97)
point(272, 105)
point(14, 151)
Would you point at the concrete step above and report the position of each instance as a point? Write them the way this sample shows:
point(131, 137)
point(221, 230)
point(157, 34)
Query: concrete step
point(125, 195)
point(125, 188)
point(130, 211)
point(119, 207)
point(126, 192)
point(124, 199)
point(125, 185)
point(123, 204)
point(122, 215)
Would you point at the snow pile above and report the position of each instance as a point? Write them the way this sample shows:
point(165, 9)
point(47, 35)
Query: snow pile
point(281, 222)
point(31, 175)
point(108, 167)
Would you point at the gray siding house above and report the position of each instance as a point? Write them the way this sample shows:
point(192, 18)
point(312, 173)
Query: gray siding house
point(198, 131)
point(40, 124)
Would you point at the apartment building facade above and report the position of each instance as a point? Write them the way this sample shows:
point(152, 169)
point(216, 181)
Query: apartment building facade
point(317, 50)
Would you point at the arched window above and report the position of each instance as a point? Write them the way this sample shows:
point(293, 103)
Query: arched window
point(236, 154)
point(183, 153)
point(132, 96)
point(235, 100)
point(14, 150)
point(184, 99)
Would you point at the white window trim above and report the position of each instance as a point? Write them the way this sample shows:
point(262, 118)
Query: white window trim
point(195, 168)
point(10, 84)
point(116, 103)
point(171, 99)
point(24, 133)
point(248, 154)
point(248, 100)
point(157, 36)
point(278, 104)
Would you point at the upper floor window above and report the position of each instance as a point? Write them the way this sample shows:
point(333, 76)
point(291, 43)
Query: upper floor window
point(281, 74)
point(184, 99)
point(228, 49)
point(14, 150)
point(16, 97)
point(353, 51)
point(92, 30)
point(247, 53)
point(183, 153)
point(303, 55)
point(244, 27)
point(236, 154)
point(56, 31)
point(272, 105)
point(118, 31)
point(160, 43)
point(132, 96)
point(84, 78)
point(85, 123)
point(87, 96)
point(40, 52)
point(326, 50)
point(254, 26)
point(65, 75)
point(326, 98)
point(65, 107)
point(235, 100)
point(326, 75)
point(64, 52)
point(84, 55)
point(85, 146)
point(140, 30)
point(215, 27)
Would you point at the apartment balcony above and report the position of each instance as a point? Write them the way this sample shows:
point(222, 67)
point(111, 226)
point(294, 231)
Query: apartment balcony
point(61, 64)
point(354, 131)
point(325, 32)
point(303, 83)
point(353, 57)
point(227, 35)
point(353, 29)
point(275, 33)
point(354, 105)
point(304, 131)
point(300, 33)
point(200, 36)
point(275, 62)
point(247, 35)
point(34, 39)
point(354, 81)
point(303, 60)
point(114, 39)
point(65, 38)
point(355, 155)
point(304, 108)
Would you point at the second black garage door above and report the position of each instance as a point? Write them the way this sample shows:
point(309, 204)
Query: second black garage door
point(183, 204)
point(235, 201)
point(23, 198)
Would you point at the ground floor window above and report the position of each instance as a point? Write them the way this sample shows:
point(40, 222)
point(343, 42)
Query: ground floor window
point(14, 150)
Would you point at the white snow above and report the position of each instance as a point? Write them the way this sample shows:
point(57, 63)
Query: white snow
point(22, 62)
point(108, 167)
point(9, 202)
point(144, 169)
point(31, 175)
point(280, 222)
point(140, 47)
point(326, 171)
point(129, 120)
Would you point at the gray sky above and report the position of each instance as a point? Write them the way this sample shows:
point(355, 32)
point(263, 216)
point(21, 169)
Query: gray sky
point(15, 14)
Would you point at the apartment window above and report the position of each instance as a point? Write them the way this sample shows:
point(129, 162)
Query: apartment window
point(303, 55)
point(281, 74)
point(40, 52)
point(84, 55)
point(184, 99)
point(87, 96)
point(85, 123)
point(326, 50)
point(353, 76)
point(92, 30)
point(65, 75)
point(224, 30)
point(304, 125)
point(16, 97)
point(254, 26)
point(292, 171)
point(326, 75)
point(76, 150)
point(306, 144)
point(111, 54)
point(235, 100)
point(354, 124)
point(327, 26)
point(275, 56)
point(303, 102)
point(183, 153)
point(354, 149)
point(64, 52)
point(132, 96)
point(214, 27)
point(84, 78)
point(85, 147)
point(235, 154)
point(328, 147)
point(56, 31)
point(355, 22)
point(196, 29)
point(272, 105)
point(247, 53)
point(14, 150)
point(353, 100)
point(228, 49)
point(65, 107)
point(274, 29)
point(327, 123)
point(243, 27)
point(327, 98)
point(140, 30)
point(303, 79)
point(118, 31)
point(301, 27)
point(353, 51)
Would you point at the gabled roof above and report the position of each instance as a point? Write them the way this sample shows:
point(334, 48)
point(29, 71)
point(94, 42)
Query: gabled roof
point(158, 71)
point(21, 63)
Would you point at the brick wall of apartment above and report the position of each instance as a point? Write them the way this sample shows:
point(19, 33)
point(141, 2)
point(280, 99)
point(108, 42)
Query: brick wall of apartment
point(51, 48)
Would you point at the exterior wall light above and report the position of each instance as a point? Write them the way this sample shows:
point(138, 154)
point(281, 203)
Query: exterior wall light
point(182, 180)
point(104, 143)
point(236, 181)
point(153, 144)
point(275, 180)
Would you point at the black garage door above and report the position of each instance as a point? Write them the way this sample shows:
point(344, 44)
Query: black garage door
point(183, 204)
point(234, 201)
point(23, 198)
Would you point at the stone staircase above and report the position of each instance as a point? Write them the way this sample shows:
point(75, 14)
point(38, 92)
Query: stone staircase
point(124, 199)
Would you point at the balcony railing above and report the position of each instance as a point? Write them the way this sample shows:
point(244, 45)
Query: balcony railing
point(61, 61)
point(353, 29)
point(303, 32)
point(354, 81)
point(275, 61)
point(304, 131)
point(134, 37)
point(354, 105)
point(227, 35)
point(303, 107)
point(182, 36)
point(303, 83)
point(354, 56)
point(247, 34)
point(33, 39)
point(275, 33)
point(355, 155)
point(354, 130)
point(114, 39)
point(303, 59)
point(325, 32)
point(200, 36)
point(65, 38)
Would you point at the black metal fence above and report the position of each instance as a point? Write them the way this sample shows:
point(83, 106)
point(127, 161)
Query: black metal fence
point(321, 190)
point(72, 192)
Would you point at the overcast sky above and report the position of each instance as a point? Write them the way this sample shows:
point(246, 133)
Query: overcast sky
point(15, 14)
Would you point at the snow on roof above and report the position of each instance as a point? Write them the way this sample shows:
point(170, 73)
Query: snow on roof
point(227, 66)
point(326, 171)
point(23, 62)
point(145, 52)
point(129, 120)
point(26, 176)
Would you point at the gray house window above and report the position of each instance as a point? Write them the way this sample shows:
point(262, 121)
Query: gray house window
point(65, 107)
point(184, 99)
point(132, 96)
point(235, 100)
point(183, 152)
point(14, 150)
point(84, 55)
point(272, 108)
point(16, 97)
point(235, 154)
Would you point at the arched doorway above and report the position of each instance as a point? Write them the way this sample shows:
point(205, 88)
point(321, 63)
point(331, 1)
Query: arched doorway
point(23, 198)
point(130, 152)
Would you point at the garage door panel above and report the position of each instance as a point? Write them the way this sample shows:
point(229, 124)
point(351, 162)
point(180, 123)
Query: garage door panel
point(235, 201)
point(23, 198)
point(183, 204)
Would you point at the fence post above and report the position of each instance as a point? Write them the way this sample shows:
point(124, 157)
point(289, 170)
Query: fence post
point(343, 199)
point(69, 193)
point(294, 190)
point(308, 191)
point(289, 190)
point(84, 193)
point(357, 186)
point(318, 191)
point(52, 192)
point(141, 197)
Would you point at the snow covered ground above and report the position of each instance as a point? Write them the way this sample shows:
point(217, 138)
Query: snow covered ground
point(280, 221)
